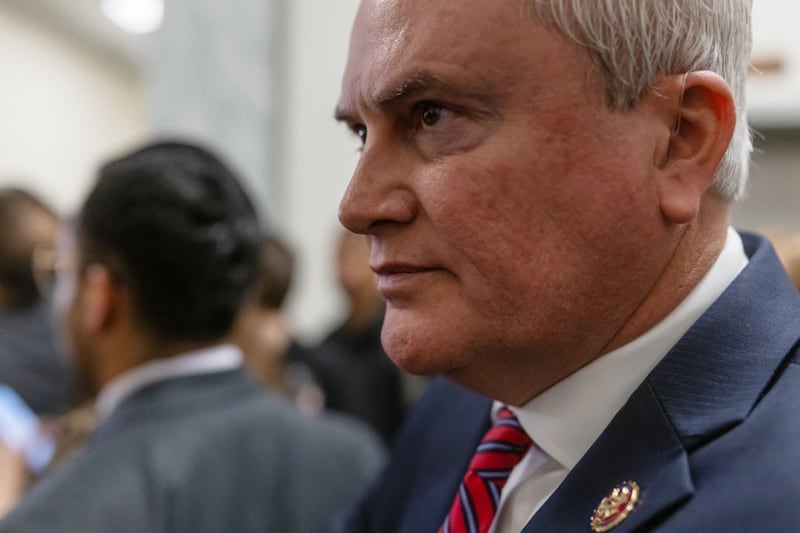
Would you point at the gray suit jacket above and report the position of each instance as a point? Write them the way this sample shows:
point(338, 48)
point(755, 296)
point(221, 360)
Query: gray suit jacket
point(209, 453)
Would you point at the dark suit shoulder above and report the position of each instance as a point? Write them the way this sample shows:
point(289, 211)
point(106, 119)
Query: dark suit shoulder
point(748, 478)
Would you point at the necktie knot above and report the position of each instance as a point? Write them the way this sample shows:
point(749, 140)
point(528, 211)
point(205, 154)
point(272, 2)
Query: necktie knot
point(500, 450)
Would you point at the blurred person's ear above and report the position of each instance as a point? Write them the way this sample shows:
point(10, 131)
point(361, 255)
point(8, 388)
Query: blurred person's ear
point(699, 111)
point(98, 298)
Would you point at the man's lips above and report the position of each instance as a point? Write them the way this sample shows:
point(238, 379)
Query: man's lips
point(389, 269)
point(396, 280)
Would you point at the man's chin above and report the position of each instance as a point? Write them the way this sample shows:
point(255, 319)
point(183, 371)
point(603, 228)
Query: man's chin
point(423, 362)
point(413, 363)
point(412, 341)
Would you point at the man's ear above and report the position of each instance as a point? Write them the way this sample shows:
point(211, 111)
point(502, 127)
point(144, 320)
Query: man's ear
point(98, 299)
point(703, 120)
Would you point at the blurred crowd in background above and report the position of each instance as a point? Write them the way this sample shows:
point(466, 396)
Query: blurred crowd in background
point(49, 405)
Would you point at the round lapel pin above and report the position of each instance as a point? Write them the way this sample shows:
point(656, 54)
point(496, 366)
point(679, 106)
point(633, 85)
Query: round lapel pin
point(615, 507)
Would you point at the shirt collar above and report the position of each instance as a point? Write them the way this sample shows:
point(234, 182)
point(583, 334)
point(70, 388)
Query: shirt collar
point(568, 417)
point(208, 360)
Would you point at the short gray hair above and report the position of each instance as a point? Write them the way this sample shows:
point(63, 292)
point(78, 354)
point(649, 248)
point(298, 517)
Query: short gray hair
point(634, 42)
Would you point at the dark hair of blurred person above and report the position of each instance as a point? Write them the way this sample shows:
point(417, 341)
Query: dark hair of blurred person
point(165, 253)
point(173, 223)
point(172, 229)
point(29, 360)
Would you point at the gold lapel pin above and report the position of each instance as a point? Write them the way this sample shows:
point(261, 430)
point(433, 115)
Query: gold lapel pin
point(615, 507)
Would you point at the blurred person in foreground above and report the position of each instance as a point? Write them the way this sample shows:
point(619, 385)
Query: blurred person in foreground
point(354, 372)
point(262, 331)
point(546, 189)
point(30, 362)
point(165, 251)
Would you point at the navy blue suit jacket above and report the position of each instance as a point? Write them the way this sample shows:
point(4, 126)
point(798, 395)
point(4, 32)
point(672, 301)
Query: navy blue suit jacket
point(712, 436)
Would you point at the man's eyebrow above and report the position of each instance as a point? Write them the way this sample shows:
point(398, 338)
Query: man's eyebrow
point(408, 85)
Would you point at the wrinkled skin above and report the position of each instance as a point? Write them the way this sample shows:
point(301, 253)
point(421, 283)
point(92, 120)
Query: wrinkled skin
point(515, 221)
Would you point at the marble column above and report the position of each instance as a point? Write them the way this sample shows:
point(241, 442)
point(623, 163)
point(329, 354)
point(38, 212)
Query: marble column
point(216, 75)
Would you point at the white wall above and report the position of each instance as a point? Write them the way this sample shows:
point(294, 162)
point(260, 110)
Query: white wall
point(63, 110)
point(321, 155)
point(774, 97)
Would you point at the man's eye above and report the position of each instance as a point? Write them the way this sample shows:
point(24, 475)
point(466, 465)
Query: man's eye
point(430, 114)
point(361, 132)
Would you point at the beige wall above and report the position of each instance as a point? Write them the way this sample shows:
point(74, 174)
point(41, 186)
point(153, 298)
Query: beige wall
point(321, 156)
point(774, 105)
point(773, 197)
point(774, 93)
point(63, 109)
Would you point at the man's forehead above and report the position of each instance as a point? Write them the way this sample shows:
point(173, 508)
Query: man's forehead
point(397, 45)
point(396, 22)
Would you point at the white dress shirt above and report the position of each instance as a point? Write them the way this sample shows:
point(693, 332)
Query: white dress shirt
point(206, 361)
point(566, 419)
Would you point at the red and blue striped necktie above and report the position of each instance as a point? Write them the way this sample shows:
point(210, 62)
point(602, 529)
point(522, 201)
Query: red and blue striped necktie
point(500, 450)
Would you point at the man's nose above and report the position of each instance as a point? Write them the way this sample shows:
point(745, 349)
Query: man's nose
point(380, 192)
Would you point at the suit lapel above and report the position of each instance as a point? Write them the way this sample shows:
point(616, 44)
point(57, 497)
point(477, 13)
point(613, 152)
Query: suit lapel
point(639, 445)
point(712, 379)
point(707, 384)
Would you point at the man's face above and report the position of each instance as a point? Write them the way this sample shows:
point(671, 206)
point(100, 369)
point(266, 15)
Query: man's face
point(512, 217)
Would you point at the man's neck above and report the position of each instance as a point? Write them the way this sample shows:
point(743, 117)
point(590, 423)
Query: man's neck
point(207, 360)
point(516, 379)
point(699, 248)
point(126, 356)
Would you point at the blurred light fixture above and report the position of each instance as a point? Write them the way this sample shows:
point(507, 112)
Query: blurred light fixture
point(134, 16)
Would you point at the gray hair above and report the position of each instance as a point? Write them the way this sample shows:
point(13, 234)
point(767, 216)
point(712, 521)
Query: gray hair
point(634, 42)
